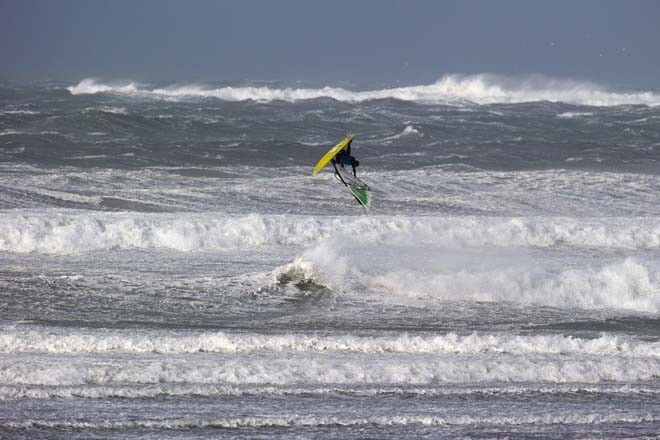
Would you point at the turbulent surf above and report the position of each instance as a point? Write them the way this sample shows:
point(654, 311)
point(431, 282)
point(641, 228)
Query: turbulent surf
point(170, 269)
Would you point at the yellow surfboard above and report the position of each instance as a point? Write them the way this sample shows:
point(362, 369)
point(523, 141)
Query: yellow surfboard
point(330, 154)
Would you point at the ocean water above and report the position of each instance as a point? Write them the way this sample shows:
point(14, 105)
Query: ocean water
point(170, 269)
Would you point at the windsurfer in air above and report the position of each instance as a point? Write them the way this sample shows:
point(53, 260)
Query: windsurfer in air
point(344, 158)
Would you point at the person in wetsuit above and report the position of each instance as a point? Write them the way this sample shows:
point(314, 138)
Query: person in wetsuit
point(344, 158)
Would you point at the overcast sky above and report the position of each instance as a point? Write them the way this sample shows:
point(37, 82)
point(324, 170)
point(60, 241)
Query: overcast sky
point(368, 42)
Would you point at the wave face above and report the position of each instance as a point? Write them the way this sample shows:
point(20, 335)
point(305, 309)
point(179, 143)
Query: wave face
point(480, 89)
point(170, 269)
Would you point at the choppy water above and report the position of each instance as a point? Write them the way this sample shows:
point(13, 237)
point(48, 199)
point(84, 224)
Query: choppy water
point(170, 269)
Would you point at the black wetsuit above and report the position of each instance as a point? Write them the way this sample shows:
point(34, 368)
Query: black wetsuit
point(344, 158)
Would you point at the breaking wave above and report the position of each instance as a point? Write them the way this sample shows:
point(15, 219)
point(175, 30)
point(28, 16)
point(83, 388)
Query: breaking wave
point(427, 258)
point(479, 89)
point(223, 342)
point(630, 284)
point(70, 232)
point(90, 86)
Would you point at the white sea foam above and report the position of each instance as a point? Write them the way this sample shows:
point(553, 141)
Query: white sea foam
point(409, 130)
point(90, 86)
point(26, 341)
point(480, 89)
point(572, 418)
point(627, 285)
point(18, 112)
point(428, 258)
point(91, 156)
point(440, 266)
point(133, 391)
point(66, 232)
point(110, 109)
point(454, 276)
point(10, 131)
point(320, 368)
point(61, 233)
point(573, 115)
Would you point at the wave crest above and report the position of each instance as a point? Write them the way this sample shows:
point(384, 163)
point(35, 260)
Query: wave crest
point(627, 285)
point(450, 89)
point(70, 233)
point(49, 341)
point(89, 86)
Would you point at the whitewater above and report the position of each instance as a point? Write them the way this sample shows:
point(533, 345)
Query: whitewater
point(170, 269)
point(481, 89)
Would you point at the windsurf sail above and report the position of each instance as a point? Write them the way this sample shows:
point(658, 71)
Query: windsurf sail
point(360, 194)
point(358, 188)
point(330, 154)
